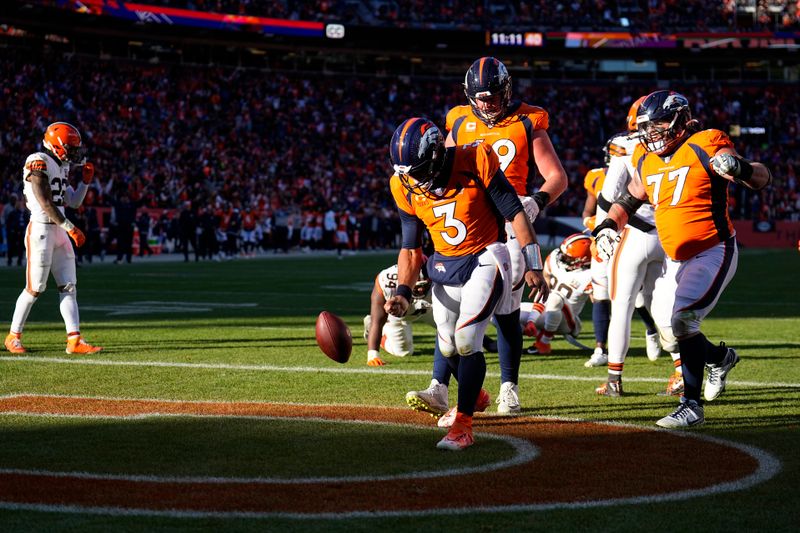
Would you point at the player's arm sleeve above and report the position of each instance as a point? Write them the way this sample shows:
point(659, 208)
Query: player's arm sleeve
point(411, 228)
point(504, 196)
point(74, 197)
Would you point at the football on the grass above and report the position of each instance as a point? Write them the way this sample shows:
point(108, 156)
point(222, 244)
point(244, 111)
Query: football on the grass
point(334, 337)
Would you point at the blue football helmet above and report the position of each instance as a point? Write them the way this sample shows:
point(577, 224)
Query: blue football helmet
point(417, 153)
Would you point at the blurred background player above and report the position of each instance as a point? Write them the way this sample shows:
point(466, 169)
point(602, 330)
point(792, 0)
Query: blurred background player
point(517, 133)
point(459, 194)
point(47, 245)
point(392, 333)
point(566, 270)
point(637, 264)
point(684, 173)
point(601, 305)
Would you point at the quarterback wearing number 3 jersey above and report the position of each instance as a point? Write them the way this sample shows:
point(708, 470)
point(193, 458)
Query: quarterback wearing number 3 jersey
point(460, 195)
point(684, 174)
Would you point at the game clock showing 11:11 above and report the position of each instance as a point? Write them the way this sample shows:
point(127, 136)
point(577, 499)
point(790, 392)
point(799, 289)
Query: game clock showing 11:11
point(499, 38)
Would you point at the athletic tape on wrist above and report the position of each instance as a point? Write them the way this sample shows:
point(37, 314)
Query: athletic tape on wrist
point(533, 257)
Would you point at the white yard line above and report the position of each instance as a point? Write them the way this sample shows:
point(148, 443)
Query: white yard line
point(339, 370)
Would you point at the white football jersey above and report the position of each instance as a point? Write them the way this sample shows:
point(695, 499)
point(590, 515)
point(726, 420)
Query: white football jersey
point(574, 286)
point(419, 306)
point(619, 174)
point(58, 175)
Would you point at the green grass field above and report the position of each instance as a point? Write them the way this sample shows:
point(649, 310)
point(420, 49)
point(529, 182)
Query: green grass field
point(244, 331)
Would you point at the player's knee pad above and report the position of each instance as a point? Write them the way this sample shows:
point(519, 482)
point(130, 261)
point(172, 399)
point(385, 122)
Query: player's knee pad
point(668, 341)
point(447, 347)
point(684, 324)
point(465, 341)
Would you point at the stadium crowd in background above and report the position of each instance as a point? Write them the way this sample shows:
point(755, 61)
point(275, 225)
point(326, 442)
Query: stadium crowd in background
point(296, 151)
point(638, 15)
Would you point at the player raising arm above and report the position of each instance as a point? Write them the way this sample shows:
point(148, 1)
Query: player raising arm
point(457, 193)
point(684, 174)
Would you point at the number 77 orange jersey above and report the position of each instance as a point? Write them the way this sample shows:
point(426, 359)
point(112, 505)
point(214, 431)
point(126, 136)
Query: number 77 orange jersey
point(464, 220)
point(690, 200)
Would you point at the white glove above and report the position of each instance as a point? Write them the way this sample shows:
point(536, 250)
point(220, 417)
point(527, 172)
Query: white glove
point(531, 207)
point(726, 165)
point(606, 242)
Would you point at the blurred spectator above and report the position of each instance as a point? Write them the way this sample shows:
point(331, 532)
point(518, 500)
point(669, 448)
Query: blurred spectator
point(187, 231)
point(16, 221)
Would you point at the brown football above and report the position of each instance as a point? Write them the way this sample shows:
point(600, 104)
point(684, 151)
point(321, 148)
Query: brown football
point(334, 337)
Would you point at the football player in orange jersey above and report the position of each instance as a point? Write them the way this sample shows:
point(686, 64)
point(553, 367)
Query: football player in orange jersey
point(460, 195)
point(684, 173)
point(47, 239)
point(517, 132)
point(633, 277)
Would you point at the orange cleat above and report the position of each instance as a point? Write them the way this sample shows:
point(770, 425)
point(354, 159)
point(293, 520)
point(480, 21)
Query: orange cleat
point(543, 348)
point(459, 436)
point(483, 401)
point(76, 344)
point(674, 385)
point(14, 343)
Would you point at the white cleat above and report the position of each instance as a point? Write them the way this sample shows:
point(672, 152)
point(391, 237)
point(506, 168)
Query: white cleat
point(432, 400)
point(718, 374)
point(599, 358)
point(689, 413)
point(508, 399)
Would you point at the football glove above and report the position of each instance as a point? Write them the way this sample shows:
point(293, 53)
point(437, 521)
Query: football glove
point(87, 173)
point(726, 165)
point(77, 235)
point(606, 242)
point(531, 207)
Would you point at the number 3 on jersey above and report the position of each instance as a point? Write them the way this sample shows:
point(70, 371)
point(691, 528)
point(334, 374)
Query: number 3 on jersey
point(448, 211)
point(656, 179)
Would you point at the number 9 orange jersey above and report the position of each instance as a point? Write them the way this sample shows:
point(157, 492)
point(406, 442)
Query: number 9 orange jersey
point(510, 139)
point(690, 200)
point(464, 221)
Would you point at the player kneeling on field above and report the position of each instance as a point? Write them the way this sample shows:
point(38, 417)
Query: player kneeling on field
point(567, 273)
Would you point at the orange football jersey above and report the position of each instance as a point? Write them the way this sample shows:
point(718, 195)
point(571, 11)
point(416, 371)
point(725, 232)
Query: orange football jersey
point(510, 139)
point(465, 222)
point(691, 202)
point(593, 181)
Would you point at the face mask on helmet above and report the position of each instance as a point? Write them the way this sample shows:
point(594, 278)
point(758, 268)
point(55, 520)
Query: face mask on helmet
point(64, 141)
point(421, 287)
point(417, 153)
point(661, 121)
point(576, 251)
point(487, 86)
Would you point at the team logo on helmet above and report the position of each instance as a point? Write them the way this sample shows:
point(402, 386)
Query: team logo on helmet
point(662, 121)
point(417, 154)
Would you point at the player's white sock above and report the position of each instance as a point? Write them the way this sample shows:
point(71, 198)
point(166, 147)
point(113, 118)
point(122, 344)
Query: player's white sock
point(69, 309)
point(22, 310)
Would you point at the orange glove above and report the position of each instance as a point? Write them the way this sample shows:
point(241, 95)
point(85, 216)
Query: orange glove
point(589, 223)
point(88, 173)
point(77, 235)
